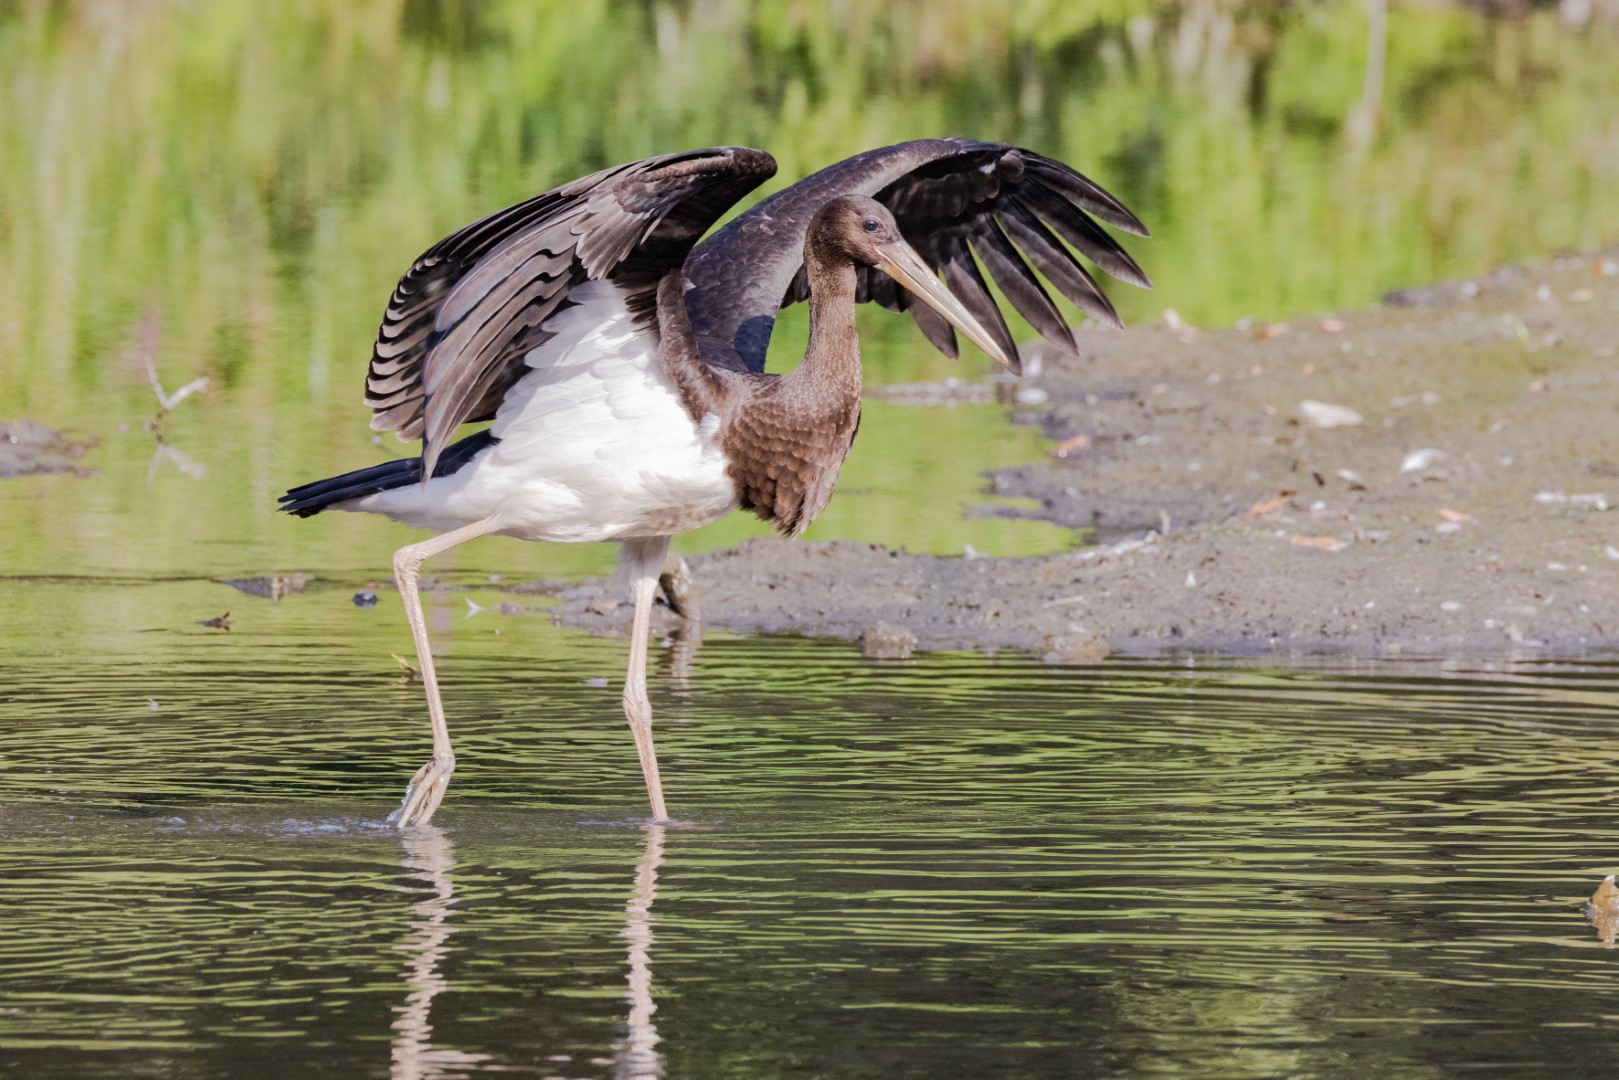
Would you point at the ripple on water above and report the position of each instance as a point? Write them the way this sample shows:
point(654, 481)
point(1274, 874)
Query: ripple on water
point(950, 866)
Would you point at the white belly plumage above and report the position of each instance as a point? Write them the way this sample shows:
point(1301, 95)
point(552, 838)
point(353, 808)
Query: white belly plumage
point(594, 444)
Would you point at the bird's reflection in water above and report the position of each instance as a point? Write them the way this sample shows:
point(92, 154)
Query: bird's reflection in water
point(429, 859)
point(680, 664)
point(638, 1057)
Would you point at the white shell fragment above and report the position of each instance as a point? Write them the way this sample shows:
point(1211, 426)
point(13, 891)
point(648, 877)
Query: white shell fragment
point(1355, 480)
point(1324, 415)
point(1584, 502)
point(1417, 460)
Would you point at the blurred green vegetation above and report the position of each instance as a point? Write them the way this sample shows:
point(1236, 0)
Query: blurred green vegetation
point(258, 175)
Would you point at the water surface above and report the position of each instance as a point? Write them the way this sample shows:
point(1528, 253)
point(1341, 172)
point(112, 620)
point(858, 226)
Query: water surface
point(953, 866)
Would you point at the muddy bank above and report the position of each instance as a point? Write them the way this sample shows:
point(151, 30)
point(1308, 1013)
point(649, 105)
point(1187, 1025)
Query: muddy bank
point(27, 447)
point(1466, 502)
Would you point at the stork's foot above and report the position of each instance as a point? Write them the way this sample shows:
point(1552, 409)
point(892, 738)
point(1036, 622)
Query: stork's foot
point(424, 793)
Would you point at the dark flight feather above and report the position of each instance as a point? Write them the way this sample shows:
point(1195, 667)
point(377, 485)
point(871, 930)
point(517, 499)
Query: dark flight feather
point(1011, 205)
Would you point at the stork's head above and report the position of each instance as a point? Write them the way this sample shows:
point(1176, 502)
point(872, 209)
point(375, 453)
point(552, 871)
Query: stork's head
point(860, 231)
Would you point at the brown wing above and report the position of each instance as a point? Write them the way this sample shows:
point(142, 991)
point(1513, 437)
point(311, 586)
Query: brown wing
point(954, 200)
point(462, 319)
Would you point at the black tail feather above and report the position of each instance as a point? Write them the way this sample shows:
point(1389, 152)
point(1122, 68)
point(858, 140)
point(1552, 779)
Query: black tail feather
point(312, 498)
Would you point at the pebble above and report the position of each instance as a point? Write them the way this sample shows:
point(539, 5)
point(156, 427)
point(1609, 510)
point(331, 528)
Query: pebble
point(365, 598)
point(1354, 479)
point(885, 641)
point(1078, 648)
point(1325, 415)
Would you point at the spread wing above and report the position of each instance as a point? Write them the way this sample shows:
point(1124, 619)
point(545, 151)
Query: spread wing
point(965, 206)
point(462, 319)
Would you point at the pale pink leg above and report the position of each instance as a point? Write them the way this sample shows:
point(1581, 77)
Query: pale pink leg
point(643, 560)
point(426, 788)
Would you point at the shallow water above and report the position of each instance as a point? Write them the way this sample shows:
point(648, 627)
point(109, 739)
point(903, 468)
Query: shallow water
point(951, 866)
point(954, 866)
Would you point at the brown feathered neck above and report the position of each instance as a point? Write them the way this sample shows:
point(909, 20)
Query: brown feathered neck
point(784, 436)
point(833, 355)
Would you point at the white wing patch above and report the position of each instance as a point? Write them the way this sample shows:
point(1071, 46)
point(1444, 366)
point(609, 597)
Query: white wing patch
point(594, 443)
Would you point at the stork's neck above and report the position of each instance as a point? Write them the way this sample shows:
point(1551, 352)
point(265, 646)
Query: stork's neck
point(833, 356)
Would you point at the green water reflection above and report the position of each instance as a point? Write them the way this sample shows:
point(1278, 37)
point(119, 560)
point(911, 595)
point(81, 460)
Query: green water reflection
point(254, 177)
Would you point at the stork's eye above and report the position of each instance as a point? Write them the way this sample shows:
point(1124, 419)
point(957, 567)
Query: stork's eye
point(870, 224)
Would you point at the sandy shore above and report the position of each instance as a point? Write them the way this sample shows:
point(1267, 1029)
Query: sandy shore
point(1466, 502)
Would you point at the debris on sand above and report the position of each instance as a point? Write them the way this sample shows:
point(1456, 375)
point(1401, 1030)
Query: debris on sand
point(1421, 460)
point(271, 586)
point(27, 447)
point(1441, 294)
point(1578, 502)
point(1272, 504)
point(1325, 415)
point(1071, 444)
point(1355, 480)
point(1179, 326)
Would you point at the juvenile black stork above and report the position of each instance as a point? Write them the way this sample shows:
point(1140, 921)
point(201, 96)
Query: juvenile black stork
point(624, 367)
